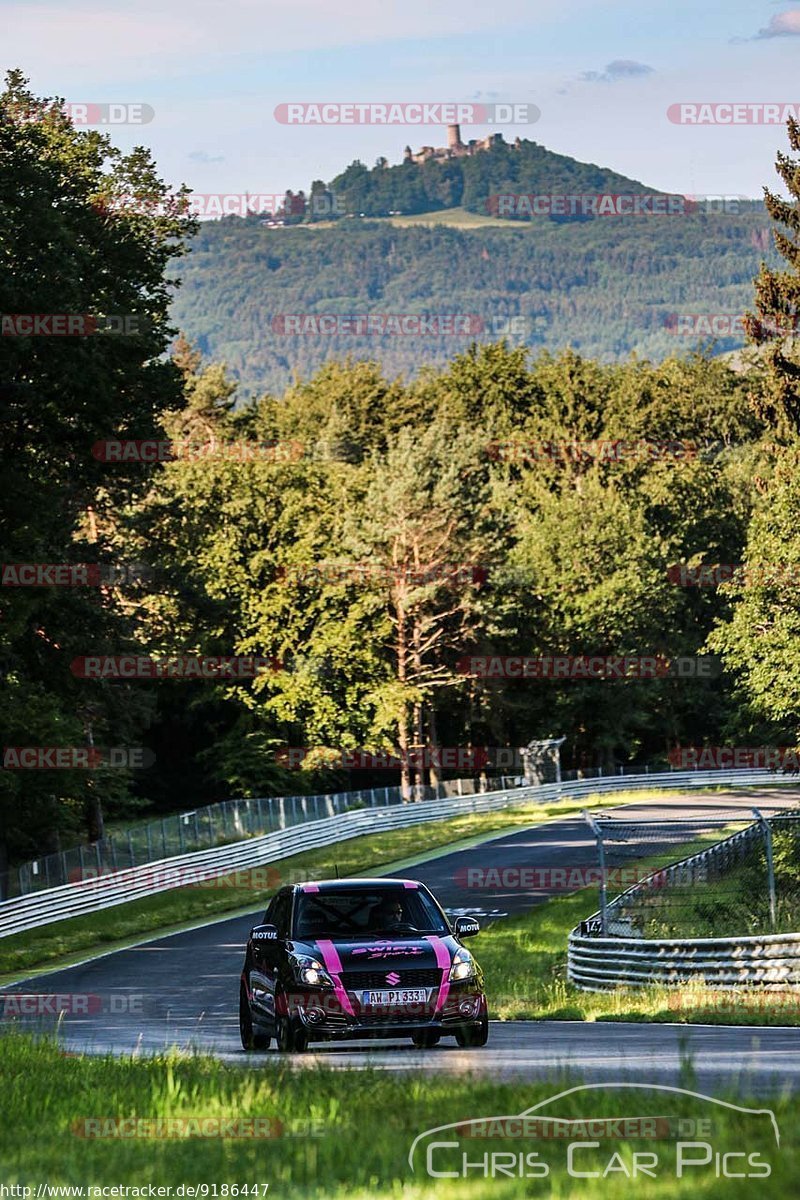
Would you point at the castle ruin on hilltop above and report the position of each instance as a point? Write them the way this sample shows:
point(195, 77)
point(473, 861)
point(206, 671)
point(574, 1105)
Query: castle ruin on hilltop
point(455, 148)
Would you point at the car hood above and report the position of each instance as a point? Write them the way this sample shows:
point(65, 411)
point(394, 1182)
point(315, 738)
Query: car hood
point(346, 955)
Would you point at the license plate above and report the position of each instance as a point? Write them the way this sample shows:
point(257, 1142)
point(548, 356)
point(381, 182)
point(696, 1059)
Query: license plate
point(396, 996)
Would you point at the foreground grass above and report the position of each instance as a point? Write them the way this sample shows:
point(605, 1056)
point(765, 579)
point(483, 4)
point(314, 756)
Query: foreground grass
point(363, 1122)
point(105, 929)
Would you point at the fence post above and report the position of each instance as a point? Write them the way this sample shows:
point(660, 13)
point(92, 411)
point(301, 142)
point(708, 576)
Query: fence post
point(601, 856)
point(767, 831)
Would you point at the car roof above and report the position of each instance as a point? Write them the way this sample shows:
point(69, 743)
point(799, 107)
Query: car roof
point(335, 885)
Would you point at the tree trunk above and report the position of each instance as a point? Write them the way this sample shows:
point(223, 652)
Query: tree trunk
point(434, 778)
point(402, 724)
point(419, 734)
point(94, 807)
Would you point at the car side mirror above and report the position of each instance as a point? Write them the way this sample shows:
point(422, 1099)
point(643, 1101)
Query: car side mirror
point(264, 933)
point(466, 927)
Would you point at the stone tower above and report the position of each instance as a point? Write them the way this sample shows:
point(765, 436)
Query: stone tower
point(454, 137)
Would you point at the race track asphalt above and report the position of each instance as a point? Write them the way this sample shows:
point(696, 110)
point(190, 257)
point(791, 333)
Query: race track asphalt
point(182, 990)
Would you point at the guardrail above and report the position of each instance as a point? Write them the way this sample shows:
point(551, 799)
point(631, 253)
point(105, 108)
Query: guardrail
point(602, 963)
point(92, 895)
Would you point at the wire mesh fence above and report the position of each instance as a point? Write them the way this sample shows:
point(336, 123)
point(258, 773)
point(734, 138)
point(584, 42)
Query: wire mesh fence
point(718, 874)
point(216, 825)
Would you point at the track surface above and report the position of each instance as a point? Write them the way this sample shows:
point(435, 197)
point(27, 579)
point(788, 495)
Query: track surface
point(182, 990)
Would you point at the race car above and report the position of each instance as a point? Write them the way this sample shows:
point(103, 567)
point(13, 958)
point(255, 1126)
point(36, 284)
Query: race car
point(358, 958)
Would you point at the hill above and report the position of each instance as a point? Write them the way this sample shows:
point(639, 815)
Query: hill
point(607, 285)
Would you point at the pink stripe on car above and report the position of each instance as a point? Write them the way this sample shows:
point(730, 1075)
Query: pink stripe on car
point(333, 965)
point(443, 962)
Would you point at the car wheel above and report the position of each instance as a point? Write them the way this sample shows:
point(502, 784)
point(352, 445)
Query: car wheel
point(426, 1039)
point(290, 1036)
point(474, 1035)
point(251, 1040)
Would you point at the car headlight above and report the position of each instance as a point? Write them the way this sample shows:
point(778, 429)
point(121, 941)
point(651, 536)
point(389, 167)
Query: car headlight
point(463, 965)
point(310, 970)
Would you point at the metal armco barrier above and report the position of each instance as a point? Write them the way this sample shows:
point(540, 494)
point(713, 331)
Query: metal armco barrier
point(597, 964)
point(92, 895)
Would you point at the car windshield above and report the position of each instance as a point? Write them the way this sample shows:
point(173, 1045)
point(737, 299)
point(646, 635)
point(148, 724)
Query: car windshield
point(400, 912)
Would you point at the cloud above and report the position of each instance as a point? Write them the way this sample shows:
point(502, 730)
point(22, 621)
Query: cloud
point(200, 156)
point(620, 68)
point(785, 24)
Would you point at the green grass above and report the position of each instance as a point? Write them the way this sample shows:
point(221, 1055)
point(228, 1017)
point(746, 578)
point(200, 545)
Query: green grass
point(108, 929)
point(458, 218)
point(364, 1126)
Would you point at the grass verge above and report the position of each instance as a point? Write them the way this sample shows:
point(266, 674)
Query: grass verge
point(363, 1125)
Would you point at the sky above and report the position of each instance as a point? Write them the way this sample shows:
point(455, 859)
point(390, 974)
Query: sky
point(602, 75)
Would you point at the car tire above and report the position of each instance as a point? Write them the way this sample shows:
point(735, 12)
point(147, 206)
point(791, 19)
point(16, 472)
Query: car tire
point(471, 1036)
point(426, 1039)
point(290, 1035)
point(251, 1038)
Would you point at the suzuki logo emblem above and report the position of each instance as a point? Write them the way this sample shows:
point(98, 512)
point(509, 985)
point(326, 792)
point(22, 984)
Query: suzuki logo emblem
point(393, 977)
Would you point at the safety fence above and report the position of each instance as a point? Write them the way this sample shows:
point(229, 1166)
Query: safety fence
point(726, 915)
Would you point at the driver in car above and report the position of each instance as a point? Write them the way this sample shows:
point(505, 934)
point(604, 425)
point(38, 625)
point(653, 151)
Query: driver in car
point(388, 914)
